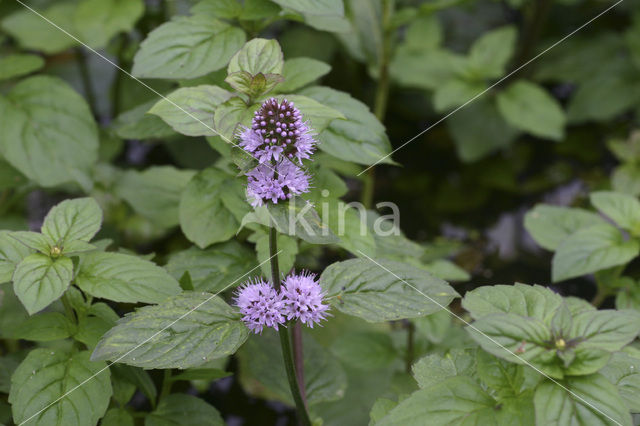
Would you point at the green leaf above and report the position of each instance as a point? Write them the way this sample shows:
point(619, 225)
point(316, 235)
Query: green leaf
point(71, 220)
point(314, 7)
point(298, 72)
point(551, 225)
point(320, 114)
point(172, 410)
point(478, 130)
point(39, 280)
point(624, 372)
point(187, 47)
point(33, 32)
point(137, 124)
point(433, 369)
point(253, 85)
point(155, 192)
point(435, 327)
point(97, 21)
point(185, 331)
point(228, 117)
point(211, 207)
point(46, 380)
point(117, 417)
point(605, 329)
point(530, 108)
point(215, 268)
point(40, 113)
point(456, 92)
point(34, 240)
point(360, 138)
point(124, 278)
point(623, 209)
point(287, 247)
point(11, 254)
point(490, 54)
point(44, 327)
point(365, 350)
point(447, 270)
point(16, 65)
point(208, 374)
point(226, 9)
point(626, 179)
point(258, 55)
point(425, 68)
point(593, 401)
point(190, 110)
point(520, 299)
point(379, 293)
point(458, 400)
point(592, 249)
point(505, 378)
point(262, 371)
point(136, 376)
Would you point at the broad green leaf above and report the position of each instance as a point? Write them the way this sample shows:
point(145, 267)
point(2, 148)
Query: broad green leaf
point(212, 207)
point(478, 130)
point(624, 372)
point(365, 350)
point(319, 113)
point(190, 110)
point(172, 410)
point(490, 54)
point(34, 240)
point(16, 65)
point(605, 329)
point(456, 92)
point(155, 192)
point(39, 280)
point(137, 124)
point(446, 270)
point(551, 225)
point(11, 254)
point(298, 72)
point(588, 400)
point(458, 400)
point(71, 220)
point(423, 32)
point(47, 380)
point(425, 68)
point(33, 32)
point(226, 120)
point(385, 291)
point(626, 179)
point(41, 113)
point(287, 251)
point(592, 249)
point(262, 371)
point(187, 47)
point(505, 378)
point(226, 9)
point(360, 138)
point(124, 278)
point(351, 224)
point(44, 327)
point(258, 56)
point(117, 417)
point(214, 268)
point(91, 329)
point(519, 299)
point(136, 376)
point(314, 7)
point(435, 327)
point(623, 209)
point(433, 369)
point(379, 409)
point(253, 85)
point(97, 21)
point(183, 332)
point(530, 108)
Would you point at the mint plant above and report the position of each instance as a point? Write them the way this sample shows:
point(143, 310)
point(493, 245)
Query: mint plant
point(189, 231)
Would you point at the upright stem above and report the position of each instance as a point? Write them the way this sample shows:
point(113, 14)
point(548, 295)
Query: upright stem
point(410, 344)
point(166, 385)
point(298, 357)
point(381, 96)
point(85, 75)
point(285, 342)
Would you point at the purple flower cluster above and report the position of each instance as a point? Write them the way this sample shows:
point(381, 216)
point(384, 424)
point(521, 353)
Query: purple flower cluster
point(300, 298)
point(277, 138)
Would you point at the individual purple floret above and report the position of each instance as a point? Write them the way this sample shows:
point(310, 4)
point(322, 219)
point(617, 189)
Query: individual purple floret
point(266, 183)
point(261, 305)
point(303, 299)
point(277, 131)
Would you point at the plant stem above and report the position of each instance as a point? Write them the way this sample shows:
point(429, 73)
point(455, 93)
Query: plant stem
point(600, 297)
point(166, 385)
point(381, 96)
point(285, 342)
point(410, 344)
point(298, 357)
point(68, 309)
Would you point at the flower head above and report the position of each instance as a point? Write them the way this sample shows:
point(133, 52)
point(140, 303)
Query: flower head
point(303, 299)
point(260, 304)
point(277, 131)
point(266, 183)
